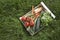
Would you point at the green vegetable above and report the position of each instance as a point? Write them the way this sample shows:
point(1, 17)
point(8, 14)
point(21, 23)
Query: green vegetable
point(46, 18)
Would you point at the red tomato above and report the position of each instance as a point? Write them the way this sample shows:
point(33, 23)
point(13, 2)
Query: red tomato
point(28, 19)
point(26, 24)
point(23, 18)
point(31, 23)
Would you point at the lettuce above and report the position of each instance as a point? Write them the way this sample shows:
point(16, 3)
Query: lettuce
point(46, 18)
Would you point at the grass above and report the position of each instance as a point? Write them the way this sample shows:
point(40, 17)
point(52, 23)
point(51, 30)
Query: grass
point(11, 28)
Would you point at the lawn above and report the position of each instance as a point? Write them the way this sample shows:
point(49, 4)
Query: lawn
point(11, 28)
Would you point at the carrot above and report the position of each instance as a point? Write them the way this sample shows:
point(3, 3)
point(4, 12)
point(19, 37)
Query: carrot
point(32, 9)
point(36, 12)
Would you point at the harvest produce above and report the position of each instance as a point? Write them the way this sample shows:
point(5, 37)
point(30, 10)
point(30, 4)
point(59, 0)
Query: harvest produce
point(26, 24)
point(31, 23)
point(46, 18)
point(28, 21)
point(38, 10)
point(23, 18)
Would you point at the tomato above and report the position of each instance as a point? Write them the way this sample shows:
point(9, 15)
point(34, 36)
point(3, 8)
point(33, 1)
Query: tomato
point(28, 18)
point(26, 24)
point(31, 23)
point(23, 18)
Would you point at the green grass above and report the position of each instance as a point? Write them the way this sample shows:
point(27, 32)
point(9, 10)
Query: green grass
point(11, 28)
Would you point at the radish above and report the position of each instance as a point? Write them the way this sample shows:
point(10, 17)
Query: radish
point(26, 24)
point(31, 23)
point(29, 19)
point(23, 18)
